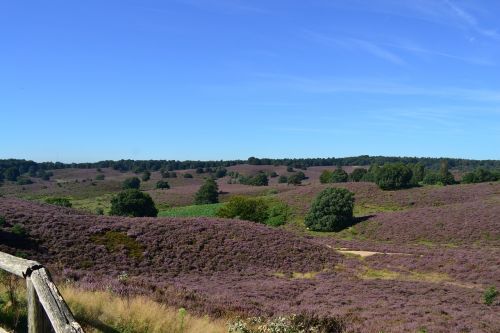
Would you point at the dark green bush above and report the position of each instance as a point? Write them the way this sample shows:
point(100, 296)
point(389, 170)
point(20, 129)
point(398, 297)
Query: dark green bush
point(479, 176)
point(339, 176)
point(432, 178)
point(188, 175)
point(220, 173)
point(295, 179)
point(24, 181)
point(418, 173)
point(131, 183)
point(490, 295)
point(259, 179)
point(146, 175)
point(100, 177)
point(357, 174)
point(11, 174)
point(331, 210)
point(283, 180)
point(325, 177)
point(250, 209)
point(63, 202)
point(208, 193)
point(161, 184)
point(289, 169)
point(273, 174)
point(133, 202)
point(394, 176)
point(199, 170)
point(2, 221)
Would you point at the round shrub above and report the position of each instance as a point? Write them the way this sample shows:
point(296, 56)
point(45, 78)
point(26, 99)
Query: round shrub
point(133, 202)
point(146, 176)
point(131, 183)
point(100, 177)
point(282, 179)
point(393, 176)
point(331, 210)
point(339, 176)
point(250, 209)
point(208, 193)
point(357, 174)
point(161, 184)
point(188, 175)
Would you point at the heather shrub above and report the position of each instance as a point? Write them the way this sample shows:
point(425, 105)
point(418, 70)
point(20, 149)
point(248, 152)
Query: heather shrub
point(490, 295)
point(63, 202)
point(250, 209)
point(100, 177)
point(325, 177)
point(357, 174)
point(146, 176)
point(18, 229)
point(11, 174)
point(394, 176)
point(162, 184)
point(131, 183)
point(208, 193)
point(24, 181)
point(133, 202)
point(331, 210)
point(283, 180)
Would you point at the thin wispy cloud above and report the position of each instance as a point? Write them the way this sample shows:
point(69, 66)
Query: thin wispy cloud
point(471, 21)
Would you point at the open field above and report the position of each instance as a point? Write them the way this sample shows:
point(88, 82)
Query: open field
point(431, 250)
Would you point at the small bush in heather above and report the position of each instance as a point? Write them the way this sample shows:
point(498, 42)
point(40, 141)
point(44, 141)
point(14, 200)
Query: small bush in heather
point(63, 202)
point(100, 177)
point(259, 179)
point(331, 210)
point(133, 202)
point(161, 184)
point(146, 175)
point(2, 221)
point(339, 176)
point(221, 172)
point(208, 193)
point(295, 179)
point(250, 209)
point(188, 175)
point(11, 174)
point(289, 169)
point(357, 174)
point(432, 178)
point(283, 180)
point(24, 181)
point(394, 176)
point(131, 183)
point(325, 177)
point(19, 230)
point(199, 170)
point(173, 174)
point(490, 295)
point(273, 174)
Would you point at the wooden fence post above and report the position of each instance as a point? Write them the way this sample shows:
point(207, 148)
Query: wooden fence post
point(37, 320)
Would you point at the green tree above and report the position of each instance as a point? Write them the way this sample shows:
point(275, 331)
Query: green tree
point(325, 177)
point(295, 179)
point(331, 210)
point(11, 174)
point(133, 202)
point(208, 193)
point(339, 176)
point(131, 183)
point(418, 173)
point(357, 174)
point(393, 176)
point(162, 184)
point(282, 179)
point(146, 175)
point(445, 175)
point(250, 209)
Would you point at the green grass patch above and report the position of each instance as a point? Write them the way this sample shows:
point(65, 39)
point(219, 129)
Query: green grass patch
point(116, 240)
point(208, 210)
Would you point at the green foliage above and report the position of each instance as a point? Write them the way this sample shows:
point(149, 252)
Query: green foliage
point(2, 221)
point(19, 230)
point(432, 178)
point(394, 176)
point(273, 174)
point(480, 175)
point(490, 294)
point(116, 240)
point(199, 170)
point(262, 210)
point(445, 175)
point(289, 169)
point(208, 210)
point(11, 174)
point(63, 202)
point(131, 183)
point(188, 175)
point(295, 179)
point(357, 174)
point(331, 210)
point(133, 202)
point(418, 173)
point(162, 184)
point(339, 176)
point(221, 172)
point(283, 180)
point(325, 177)
point(24, 181)
point(259, 179)
point(146, 175)
point(100, 177)
point(208, 193)
point(372, 174)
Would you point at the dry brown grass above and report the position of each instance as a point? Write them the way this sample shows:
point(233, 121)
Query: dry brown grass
point(105, 312)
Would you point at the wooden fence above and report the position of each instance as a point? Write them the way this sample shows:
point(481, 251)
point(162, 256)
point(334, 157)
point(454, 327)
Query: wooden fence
point(47, 311)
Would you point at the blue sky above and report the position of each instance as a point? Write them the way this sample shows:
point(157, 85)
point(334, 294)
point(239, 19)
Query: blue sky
point(225, 79)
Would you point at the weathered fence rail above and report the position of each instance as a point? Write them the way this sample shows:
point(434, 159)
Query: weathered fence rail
point(47, 311)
